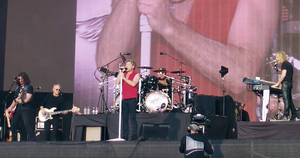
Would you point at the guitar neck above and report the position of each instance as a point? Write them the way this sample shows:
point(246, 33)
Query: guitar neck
point(59, 112)
point(7, 119)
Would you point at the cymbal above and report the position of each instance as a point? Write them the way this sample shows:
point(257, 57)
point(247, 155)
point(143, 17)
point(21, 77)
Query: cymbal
point(177, 72)
point(145, 67)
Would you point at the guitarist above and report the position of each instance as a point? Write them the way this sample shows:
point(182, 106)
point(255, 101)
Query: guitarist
point(53, 100)
point(22, 106)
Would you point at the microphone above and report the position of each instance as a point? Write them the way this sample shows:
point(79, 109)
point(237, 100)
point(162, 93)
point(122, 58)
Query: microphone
point(125, 53)
point(123, 69)
point(273, 61)
point(163, 53)
point(38, 88)
point(122, 57)
point(16, 78)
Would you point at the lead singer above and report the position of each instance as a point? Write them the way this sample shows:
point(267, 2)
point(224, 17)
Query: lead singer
point(286, 79)
point(130, 80)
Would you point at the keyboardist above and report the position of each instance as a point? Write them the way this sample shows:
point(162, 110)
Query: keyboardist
point(286, 80)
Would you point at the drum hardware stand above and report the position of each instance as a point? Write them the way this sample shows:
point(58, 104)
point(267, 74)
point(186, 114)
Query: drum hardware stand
point(120, 116)
point(107, 73)
point(180, 72)
point(279, 114)
point(172, 91)
point(115, 91)
point(223, 72)
point(139, 91)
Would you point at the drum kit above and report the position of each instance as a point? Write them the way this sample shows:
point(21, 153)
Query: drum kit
point(152, 100)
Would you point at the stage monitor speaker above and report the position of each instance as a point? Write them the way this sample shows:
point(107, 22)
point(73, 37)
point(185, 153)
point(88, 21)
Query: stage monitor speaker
point(205, 104)
point(155, 131)
point(93, 133)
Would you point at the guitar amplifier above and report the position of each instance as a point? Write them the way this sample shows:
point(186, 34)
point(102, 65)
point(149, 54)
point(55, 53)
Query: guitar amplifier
point(39, 125)
point(93, 133)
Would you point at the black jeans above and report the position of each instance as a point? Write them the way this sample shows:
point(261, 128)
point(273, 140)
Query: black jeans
point(287, 99)
point(129, 109)
point(25, 114)
point(55, 123)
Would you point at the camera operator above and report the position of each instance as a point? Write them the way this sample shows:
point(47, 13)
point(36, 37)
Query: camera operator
point(195, 144)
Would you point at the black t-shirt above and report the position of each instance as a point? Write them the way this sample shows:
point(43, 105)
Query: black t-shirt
point(21, 93)
point(51, 101)
point(169, 85)
point(195, 152)
point(289, 68)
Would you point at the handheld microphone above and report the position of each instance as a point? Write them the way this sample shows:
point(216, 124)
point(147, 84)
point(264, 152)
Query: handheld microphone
point(163, 53)
point(273, 61)
point(125, 53)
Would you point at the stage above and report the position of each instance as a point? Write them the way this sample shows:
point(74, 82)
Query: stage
point(254, 139)
point(226, 148)
point(219, 127)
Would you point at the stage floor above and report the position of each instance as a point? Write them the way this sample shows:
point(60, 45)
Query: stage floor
point(269, 130)
point(256, 148)
point(255, 140)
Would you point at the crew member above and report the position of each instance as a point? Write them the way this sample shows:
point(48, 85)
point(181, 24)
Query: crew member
point(21, 107)
point(286, 81)
point(130, 80)
point(195, 144)
point(53, 100)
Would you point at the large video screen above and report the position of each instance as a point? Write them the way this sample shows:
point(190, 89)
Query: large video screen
point(194, 40)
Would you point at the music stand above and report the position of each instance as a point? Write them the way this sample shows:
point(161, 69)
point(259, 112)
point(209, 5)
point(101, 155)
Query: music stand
point(223, 72)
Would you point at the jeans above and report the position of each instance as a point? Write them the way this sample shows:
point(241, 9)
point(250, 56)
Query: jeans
point(129, 109)
point(25, 114)
point(287, 99)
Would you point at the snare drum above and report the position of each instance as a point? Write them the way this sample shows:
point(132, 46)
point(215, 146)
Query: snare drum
point(157, 102)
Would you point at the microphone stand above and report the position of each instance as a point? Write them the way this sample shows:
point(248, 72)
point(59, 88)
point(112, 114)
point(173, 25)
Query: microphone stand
point(223, 110)
point(180, 67)
point(120, 116)
point(4, 108)
point(104, 101)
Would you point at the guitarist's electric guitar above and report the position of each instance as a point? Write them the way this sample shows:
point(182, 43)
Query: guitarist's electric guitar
point(9, 139)
point(50, 112)
point(13, 110)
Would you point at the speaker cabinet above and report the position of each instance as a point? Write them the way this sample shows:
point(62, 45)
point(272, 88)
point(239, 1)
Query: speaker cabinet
point(155, 131)
point(205, 104)
point(93, 133)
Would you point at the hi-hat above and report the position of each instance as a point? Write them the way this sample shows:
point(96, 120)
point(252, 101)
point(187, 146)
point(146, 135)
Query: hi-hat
point(177, 72)
point(145, 67)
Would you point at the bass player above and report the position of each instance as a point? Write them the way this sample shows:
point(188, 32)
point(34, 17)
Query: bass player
point(53, 100)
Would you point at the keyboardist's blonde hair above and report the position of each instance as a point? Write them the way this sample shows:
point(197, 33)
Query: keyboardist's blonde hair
point(281, 56)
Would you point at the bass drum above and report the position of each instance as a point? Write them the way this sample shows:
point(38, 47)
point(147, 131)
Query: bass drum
point(157, 102)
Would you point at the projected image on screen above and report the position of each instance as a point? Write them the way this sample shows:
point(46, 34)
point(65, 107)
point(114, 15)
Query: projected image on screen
point(190, 39)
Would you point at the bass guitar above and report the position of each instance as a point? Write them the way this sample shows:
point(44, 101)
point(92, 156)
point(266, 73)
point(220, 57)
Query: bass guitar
point(50, 112)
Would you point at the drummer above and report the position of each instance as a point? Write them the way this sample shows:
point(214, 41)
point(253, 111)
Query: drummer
point(164, 83)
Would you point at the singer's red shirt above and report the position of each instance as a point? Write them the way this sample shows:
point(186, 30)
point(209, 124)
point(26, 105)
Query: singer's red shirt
point(129, 92)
